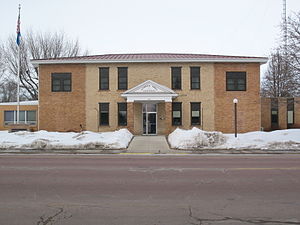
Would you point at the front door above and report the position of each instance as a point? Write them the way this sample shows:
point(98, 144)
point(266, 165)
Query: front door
point(149, 118)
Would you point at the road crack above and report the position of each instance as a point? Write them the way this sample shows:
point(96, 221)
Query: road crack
point(50, 220)
point(202, 221)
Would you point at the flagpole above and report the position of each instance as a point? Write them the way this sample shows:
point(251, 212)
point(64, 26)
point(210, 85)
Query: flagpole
point(18, 80)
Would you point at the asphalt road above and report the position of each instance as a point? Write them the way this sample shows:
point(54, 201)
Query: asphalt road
point(149, 190)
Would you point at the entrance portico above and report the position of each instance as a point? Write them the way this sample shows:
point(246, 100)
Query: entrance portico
point(149, 108)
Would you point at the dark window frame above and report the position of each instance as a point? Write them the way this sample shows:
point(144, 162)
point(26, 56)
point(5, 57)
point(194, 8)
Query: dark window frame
point(173, 106)
point(173, 84)
point(101, 76)
point(191, 78)
point(236, 76)
point(102, 104)
point(119, 75)
point(61, 77)
point(5, 121)
point(14, 119)
point(290, 106)
point(119, 122)
point(274, 107)
point(191, 107)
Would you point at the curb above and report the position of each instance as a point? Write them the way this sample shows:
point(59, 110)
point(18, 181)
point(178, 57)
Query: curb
point(124, 152)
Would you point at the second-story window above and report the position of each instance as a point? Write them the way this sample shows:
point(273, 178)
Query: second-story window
point(61, 82)
point(103, 78)
point(122, 78)
point(195, 77)
point(176, 77)
point(235, 81)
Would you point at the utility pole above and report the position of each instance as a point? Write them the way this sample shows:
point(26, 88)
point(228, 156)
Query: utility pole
point(284, 27)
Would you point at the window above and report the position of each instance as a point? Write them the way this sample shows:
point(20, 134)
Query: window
point(61, 82)
point(290, 111)
point(176, 113)
point(26, 117)
point(195, 77)
point(103, 78)
point(22, 116)
point(235, 81)
point(176, 77)
point(274, 111)
point(31, 117)
point(122, 78)
point(195, 113)
point(122, 114)
point(9, 117)
point(104, 114)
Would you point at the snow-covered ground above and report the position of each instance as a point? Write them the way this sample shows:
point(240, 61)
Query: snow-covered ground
point(65, 140)
point(196, 138)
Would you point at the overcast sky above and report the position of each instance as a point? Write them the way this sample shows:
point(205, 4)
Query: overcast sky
point(232, 27)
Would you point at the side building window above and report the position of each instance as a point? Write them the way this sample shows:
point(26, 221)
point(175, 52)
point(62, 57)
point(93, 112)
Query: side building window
point(235, 81)
point(195, 113)
point(122, 114)
point(103, 78)
point(274, 111)
point(195, 78)
point(122, 78)
point(61, 82)
point(25, 117)
point(176, 114)
point(176, 77)
point(103, 114)
point(290, 111)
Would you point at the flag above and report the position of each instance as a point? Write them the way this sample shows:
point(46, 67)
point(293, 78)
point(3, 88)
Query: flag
point(18, 29)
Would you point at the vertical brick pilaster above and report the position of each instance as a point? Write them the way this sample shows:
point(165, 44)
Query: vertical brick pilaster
point(130, 116)
point(282, 117)
point(168, 118)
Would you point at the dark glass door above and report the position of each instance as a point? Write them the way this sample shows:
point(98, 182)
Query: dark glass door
point(149, 118)
point(151, 123)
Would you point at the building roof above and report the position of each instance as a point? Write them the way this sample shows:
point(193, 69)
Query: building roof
point(149, 57)
point(21, 103)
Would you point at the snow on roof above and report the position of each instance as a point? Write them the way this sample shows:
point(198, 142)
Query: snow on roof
point(150, 57)
point(21, 103)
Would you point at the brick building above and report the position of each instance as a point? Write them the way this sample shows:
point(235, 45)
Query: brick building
point(149, 93)
point(28, 114)
point(280, 113)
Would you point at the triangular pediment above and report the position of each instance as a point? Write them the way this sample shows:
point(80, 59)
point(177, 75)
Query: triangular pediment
point(150, 87)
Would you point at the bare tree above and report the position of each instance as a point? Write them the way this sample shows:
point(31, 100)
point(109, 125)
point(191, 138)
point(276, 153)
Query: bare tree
point(36, 45)
point(282, 78)
point(279, 80)
point(293, 46)
point(8, 91)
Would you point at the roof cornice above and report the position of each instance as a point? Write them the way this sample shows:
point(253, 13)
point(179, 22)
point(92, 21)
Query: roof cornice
point(260, 60)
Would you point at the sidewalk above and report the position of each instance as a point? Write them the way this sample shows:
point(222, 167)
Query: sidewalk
point(151, 144)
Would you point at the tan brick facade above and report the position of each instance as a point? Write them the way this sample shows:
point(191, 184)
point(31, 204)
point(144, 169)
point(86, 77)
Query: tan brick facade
point(282, 114)
point(62, 111)
point(266, 114)
point(248, 107)
point(4, 108)
point(157, 72)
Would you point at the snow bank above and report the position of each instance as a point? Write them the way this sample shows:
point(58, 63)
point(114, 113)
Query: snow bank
point(65, 140)
point(279, 139)
point(196, 138)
